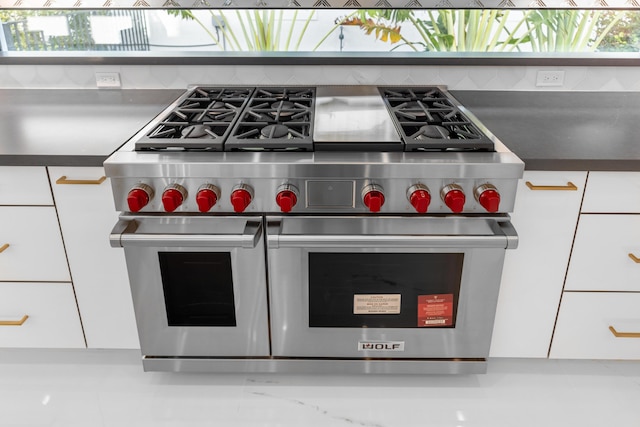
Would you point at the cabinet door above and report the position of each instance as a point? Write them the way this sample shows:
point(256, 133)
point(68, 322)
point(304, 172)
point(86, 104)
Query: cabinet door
point(598, 325)
point(612, 192)
point(42, 315)
point(606, 254)
point(24, 185)
point(31, 246)
point(87, 215)
point(545, 218)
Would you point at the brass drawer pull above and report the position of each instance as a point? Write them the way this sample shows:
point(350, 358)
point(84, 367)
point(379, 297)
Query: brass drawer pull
point(634, 258)
point(624, 334)
point(569, 187)
point(14, 322)
point(63, 180)
point(6, 245)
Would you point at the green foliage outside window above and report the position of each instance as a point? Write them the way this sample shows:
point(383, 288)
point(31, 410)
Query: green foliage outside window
point(538, 30)
point(441, 30)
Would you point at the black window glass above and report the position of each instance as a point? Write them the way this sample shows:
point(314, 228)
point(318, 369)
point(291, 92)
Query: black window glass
point(198, 288)
point(341, 283)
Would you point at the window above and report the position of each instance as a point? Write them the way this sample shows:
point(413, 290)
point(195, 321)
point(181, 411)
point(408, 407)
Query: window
point(333, 30)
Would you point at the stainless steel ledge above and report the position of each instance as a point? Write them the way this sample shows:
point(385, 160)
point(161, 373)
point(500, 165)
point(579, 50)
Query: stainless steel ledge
point(319, 58)
point(315, 366)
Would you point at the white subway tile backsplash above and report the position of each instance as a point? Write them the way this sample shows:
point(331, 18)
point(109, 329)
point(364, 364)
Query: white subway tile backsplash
point(579, 78)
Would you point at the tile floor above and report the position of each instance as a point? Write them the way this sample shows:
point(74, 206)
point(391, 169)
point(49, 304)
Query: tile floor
point(108, 388)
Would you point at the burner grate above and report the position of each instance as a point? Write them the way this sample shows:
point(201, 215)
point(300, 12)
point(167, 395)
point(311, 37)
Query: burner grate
point(275, 119)
point(428, 120)
point(201, 120)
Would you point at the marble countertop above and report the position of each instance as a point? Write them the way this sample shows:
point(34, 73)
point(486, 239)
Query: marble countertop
point(547, 130)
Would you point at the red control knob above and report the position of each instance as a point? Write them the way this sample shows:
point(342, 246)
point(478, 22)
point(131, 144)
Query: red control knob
point(453, 197)
point(488, 197)
point(240, 199)
point(286, 199)
point(139, 197)
point(420, 199)
point(171, 199)
point(374, 200)
point(206, 198)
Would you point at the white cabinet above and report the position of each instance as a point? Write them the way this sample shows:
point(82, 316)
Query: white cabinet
point(24, 185)
point(42, 315)
point(85, 207)
point(598, 325)
point(33, 249)
point(545, 217)
point(599, 315)
point(612, 192)
point(603, 254)
point(37, 301)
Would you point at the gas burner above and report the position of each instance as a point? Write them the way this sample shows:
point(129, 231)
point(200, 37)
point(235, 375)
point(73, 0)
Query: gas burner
point(200, 120)
point(275, 131)
point(284, 108)
point(431, 132)
point(258, 136)
point(195, 131)
point(428, 120)
point(413, 110)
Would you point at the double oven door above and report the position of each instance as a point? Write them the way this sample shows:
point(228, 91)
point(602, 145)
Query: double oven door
point(351, 287)
point(384, 287)
point(198, 284)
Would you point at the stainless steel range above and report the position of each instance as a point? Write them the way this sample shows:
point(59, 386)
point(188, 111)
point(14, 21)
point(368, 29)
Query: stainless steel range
point(344, 229)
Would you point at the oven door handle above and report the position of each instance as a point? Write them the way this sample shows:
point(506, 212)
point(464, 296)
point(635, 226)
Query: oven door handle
point(504, 236)
point(124, 235)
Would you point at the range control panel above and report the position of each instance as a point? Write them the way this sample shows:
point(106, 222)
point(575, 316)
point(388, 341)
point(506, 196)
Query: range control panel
point(400, 196)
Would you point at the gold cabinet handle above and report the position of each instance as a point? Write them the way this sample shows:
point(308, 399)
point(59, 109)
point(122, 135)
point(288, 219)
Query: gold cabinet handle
point(624, 334)
point(14, 322)
point(569, 187)
point(64, 180)
point(6, 245)
point(632, 256)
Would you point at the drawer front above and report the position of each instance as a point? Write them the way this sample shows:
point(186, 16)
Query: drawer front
point(584, 322)
point(606, 254)
point(612, 192)
point(33, 249)
point(52, 322)
point(24, 185)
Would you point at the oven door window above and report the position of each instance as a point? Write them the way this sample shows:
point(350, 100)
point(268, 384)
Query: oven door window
point(198, 288)
point(384, 290)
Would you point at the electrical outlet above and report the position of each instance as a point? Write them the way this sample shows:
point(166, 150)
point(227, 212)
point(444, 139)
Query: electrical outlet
point(550, 78)
point(108, 80)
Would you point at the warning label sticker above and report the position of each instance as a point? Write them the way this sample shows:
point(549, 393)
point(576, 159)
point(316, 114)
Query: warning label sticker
point(376, 304)
point(435, 310)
